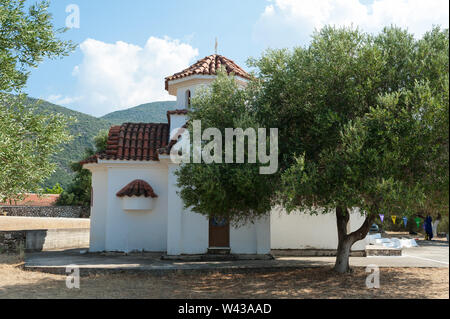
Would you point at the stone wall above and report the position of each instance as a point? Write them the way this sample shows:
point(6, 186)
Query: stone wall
point(56, 239)
point(43, 240)
point(12, 241)
point(46, 211)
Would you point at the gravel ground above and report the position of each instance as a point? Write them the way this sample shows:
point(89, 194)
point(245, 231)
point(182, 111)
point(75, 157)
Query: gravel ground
point(314, 283)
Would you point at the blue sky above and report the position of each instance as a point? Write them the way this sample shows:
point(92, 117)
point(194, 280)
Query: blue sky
point(127, 47)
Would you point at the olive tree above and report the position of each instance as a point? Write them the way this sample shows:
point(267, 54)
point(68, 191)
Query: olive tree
point(27, 139)
point(362, 122)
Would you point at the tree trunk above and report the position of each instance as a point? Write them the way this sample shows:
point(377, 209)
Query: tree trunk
point(343, 251)
point(342, 264)
point(346, 241)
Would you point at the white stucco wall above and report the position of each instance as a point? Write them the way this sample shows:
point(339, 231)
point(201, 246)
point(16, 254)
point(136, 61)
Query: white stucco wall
point(99, 208)
point(168, 227)
point(192, 86)
point(181, 96)
point(135, 231)
point(252, 238)
point(188, 232)
point(174, 218)
point(195, 228)
point(303, 231)
point(176, 122)
point(178, 87)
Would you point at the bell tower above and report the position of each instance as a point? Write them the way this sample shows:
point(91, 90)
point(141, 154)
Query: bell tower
point(185, 83)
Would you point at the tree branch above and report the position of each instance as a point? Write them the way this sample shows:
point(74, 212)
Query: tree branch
point(362, 231)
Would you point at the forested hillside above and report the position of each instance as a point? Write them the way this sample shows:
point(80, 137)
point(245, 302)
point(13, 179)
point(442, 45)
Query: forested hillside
point(155, 112)
point(83, 131)
point(87, 127)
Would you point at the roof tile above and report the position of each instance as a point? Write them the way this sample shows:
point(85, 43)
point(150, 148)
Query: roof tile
point(133, 141)
point(137, 187)
point(209, 66)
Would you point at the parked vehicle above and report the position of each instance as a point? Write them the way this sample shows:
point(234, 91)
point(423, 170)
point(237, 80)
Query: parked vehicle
point(374, 228)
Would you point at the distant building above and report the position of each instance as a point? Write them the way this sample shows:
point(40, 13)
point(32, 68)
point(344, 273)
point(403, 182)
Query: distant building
point(34, 200)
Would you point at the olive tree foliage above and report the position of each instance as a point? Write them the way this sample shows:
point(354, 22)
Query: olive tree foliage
point(27, 36)
point(355, 110)
point(383, 164)
point(27, 142)
point(27, 139)
point(235, 191)
point(362, 120)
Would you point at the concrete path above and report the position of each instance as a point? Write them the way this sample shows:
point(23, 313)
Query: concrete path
point(427, 255)
point(432, 251)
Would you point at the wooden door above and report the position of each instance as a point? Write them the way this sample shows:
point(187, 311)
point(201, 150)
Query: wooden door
point(219, 233)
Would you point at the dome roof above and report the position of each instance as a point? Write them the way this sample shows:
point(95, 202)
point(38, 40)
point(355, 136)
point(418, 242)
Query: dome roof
point(209, 66)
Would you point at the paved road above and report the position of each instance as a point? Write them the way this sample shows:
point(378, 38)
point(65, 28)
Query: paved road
point(435, 251)
point(427, 255)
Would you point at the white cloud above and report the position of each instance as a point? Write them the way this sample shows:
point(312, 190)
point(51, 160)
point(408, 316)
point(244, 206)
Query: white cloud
point(285, 23)
point(116, 76)
point(62, 100)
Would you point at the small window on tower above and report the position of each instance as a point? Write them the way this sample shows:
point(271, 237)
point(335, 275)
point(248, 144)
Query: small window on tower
point(188, 98)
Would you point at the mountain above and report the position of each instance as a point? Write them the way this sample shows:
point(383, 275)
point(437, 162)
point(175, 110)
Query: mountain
point(87, 127)
point(155, 112)
point(83, 131)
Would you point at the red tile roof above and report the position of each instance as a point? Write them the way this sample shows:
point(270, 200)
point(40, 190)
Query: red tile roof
point(209, 66)
point(138, 141)
point(33, 200)
point(137, 187)
point(177, 112)
point(133, 142)
point(175, 139)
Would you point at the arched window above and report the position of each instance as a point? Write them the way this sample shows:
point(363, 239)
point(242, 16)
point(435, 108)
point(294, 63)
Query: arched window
point(188, 98)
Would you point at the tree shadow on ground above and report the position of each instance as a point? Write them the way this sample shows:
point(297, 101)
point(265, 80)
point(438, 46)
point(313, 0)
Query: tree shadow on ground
point(310, 283)
point(321, 283)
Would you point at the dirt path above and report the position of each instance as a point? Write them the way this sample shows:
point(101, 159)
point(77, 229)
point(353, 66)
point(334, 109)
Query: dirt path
point(29, 223)
point(302, 283)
